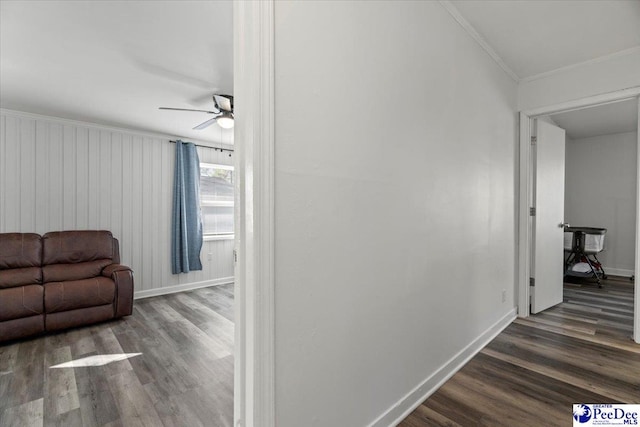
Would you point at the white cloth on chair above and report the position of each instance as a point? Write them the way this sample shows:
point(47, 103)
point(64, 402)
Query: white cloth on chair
point(581, 267)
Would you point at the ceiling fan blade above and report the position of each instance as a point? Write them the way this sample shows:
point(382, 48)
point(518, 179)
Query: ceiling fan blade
point(188, 109)
point(224, 102)
point(205, 124)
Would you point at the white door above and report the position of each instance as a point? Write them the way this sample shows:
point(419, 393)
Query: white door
point(548, 265)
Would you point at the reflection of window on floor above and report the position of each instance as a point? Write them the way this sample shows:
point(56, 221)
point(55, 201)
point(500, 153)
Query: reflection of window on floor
point(97, 360)
point(216, 199)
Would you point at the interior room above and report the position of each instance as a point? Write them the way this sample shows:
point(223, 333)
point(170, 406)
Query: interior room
point(284, 213)
point(600, 162)
point(84, 145)
point(600, 199)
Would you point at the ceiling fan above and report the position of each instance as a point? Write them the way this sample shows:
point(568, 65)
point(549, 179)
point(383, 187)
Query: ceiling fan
point(223, 112)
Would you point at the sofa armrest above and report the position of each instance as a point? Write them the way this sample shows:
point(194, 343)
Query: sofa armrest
point(123, 278)
point(114, 268)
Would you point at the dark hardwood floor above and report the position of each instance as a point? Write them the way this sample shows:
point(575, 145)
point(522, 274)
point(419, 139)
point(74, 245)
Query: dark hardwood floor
point(183, 375)
point(530, 375)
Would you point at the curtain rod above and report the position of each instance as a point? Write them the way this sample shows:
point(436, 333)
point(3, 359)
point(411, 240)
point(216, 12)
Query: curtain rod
point(207, 146)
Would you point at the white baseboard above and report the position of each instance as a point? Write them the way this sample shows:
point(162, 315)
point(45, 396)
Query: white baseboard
point(394, 415)
point(181, 288)
point(618, 272)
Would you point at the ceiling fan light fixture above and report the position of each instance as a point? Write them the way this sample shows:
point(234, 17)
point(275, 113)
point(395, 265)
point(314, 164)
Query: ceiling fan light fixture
point(225, 120)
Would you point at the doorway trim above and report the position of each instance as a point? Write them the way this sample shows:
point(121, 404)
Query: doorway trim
point(525, 190)
point(636, 304)
point(254, 348)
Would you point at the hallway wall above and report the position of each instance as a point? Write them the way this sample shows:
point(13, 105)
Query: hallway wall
point(394, 182)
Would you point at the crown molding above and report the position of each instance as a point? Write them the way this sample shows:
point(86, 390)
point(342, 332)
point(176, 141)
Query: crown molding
point(603, 58)
point(455, 13)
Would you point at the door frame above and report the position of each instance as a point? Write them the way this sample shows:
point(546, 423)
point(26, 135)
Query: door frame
point(254, 348)
point(523, 267)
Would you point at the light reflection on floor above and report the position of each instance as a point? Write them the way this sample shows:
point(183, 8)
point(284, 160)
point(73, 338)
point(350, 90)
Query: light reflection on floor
point(97, 360)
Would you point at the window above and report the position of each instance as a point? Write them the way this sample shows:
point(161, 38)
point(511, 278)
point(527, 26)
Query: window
point(216, 199)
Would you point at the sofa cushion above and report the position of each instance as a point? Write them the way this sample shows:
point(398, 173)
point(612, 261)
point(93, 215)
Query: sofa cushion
point(71, 295)
point(71, 247)
point(20, 259)
point(81, 270)
point(20, 250)
point(20, 328)
point(20, 302)
point(20, 277)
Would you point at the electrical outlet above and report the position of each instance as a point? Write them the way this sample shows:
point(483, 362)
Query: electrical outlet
point(504, 295)
point(209, 257)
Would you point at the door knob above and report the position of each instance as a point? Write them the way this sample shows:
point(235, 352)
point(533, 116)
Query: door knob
point(564, 224)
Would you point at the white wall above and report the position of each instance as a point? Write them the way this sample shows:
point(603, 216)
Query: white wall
point(600, 191)
point(62, 175)
point(598, 77)
point(394, 206)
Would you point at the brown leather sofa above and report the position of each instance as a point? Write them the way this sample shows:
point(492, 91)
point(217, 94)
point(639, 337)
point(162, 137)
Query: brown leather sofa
point(60, 280)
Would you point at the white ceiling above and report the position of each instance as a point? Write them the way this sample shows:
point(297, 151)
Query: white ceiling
point(534, 37)
point(116, 62)
point(602, 120)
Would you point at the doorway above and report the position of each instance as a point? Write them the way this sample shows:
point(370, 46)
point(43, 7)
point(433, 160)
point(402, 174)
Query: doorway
point(596, 180)
point(526, 259)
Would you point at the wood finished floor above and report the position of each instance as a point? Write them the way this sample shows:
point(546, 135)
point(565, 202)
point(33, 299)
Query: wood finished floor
point(530, 375)
point(183, 376)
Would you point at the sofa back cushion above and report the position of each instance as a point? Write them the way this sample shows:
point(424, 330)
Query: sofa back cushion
point(20, 259)
point(74, 255)
point(81, 270)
